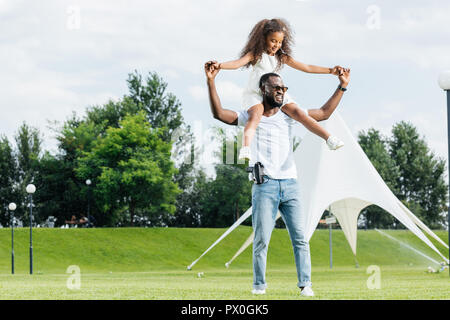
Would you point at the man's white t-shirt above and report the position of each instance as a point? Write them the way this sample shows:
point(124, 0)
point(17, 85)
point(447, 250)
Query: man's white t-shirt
point(272, 144)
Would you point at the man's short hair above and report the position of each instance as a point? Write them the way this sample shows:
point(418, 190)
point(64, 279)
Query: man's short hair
point(265, 77)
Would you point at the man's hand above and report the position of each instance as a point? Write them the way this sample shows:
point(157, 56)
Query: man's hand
point(344, 77)
point(210, 70)
point(219, 113)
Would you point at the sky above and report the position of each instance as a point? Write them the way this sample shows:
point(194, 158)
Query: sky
point(58, 57)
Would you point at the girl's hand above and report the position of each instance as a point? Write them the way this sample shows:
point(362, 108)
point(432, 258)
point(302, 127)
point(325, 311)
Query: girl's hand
point(338, 70)
point(216, 65)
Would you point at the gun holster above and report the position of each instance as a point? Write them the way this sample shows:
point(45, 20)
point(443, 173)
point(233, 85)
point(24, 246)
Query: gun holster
point(258, 172)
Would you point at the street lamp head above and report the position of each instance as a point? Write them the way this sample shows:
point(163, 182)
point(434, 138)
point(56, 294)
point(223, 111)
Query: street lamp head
point(12, 206)
point(31, 188)
point(88, 182)
point(444, 80)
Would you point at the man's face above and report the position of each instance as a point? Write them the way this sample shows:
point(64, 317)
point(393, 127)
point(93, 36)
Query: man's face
point(273, 92)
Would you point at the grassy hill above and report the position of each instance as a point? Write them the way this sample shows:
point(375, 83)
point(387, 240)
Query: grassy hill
point(172, 249)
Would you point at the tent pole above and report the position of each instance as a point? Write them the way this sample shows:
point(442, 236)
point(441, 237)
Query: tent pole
point(331, 249)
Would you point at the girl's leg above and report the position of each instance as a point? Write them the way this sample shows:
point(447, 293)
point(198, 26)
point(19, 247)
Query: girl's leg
point(293, 111)
point(255, 114)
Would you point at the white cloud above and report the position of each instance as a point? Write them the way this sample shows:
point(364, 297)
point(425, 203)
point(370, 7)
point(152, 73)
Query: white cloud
point(228, 92)
point(199, 93)
point(48, 70)
point(172, 74)
point(7, 5)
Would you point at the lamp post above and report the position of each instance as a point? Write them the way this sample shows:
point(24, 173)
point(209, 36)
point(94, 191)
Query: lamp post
point(30, 190)
point(444, 83)
point(331, 247)
point(88, 183)
point(12, 206)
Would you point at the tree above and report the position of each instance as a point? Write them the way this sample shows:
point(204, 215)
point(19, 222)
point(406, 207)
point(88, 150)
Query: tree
point(28, 142)
point(60, 195)
point(421, 184)
point(77, 136)
point(190, 178)
point(411, 171)
point(8, 175)
point(228, 196)
point(132, 169)
point(189, 208)
point(162, 109)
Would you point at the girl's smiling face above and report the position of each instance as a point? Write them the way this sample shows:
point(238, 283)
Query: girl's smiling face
point(274, 40)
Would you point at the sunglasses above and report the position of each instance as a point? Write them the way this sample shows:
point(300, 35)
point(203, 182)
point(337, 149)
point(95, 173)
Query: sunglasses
point(277, 88)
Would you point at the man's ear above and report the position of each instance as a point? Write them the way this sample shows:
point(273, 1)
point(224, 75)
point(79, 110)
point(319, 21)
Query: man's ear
point(262, 89)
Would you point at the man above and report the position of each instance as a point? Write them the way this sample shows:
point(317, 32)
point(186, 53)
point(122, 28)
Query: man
point(280, 190)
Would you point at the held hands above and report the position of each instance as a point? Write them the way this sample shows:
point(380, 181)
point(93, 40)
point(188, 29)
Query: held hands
point(338, 70)
point(216, 65)
point(344, 77)
point(211, 69)
point(342, 73)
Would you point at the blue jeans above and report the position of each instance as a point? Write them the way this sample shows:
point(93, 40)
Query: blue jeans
point(267, 199)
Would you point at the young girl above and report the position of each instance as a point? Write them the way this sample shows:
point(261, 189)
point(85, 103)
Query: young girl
point(267, 50)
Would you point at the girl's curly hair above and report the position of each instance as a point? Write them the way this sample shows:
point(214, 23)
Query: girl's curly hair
point(256, 43)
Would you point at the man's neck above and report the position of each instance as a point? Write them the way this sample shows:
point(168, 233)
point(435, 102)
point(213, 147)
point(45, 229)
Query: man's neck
point(269, 111)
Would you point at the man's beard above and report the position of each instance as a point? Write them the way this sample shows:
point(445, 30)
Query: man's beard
point(273, 103)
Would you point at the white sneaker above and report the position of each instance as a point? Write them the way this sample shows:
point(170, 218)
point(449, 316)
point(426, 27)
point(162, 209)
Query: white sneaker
point(259, 291)
point(334, 143)
point(244, 153)
point(307, 292)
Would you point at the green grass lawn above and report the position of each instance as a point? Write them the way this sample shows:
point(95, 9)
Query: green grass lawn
point(234, 284)
point(139, 263)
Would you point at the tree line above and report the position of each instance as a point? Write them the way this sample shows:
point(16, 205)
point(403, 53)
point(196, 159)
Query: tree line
point(133, 151)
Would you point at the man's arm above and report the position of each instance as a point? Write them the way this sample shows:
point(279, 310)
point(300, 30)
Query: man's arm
point(328, 108)
point(219, 113)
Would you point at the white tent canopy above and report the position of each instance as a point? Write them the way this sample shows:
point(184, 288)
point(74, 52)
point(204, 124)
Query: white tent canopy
point(346, 181)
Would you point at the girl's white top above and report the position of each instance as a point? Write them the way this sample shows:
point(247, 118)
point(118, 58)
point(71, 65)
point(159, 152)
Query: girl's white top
point(252, 94)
